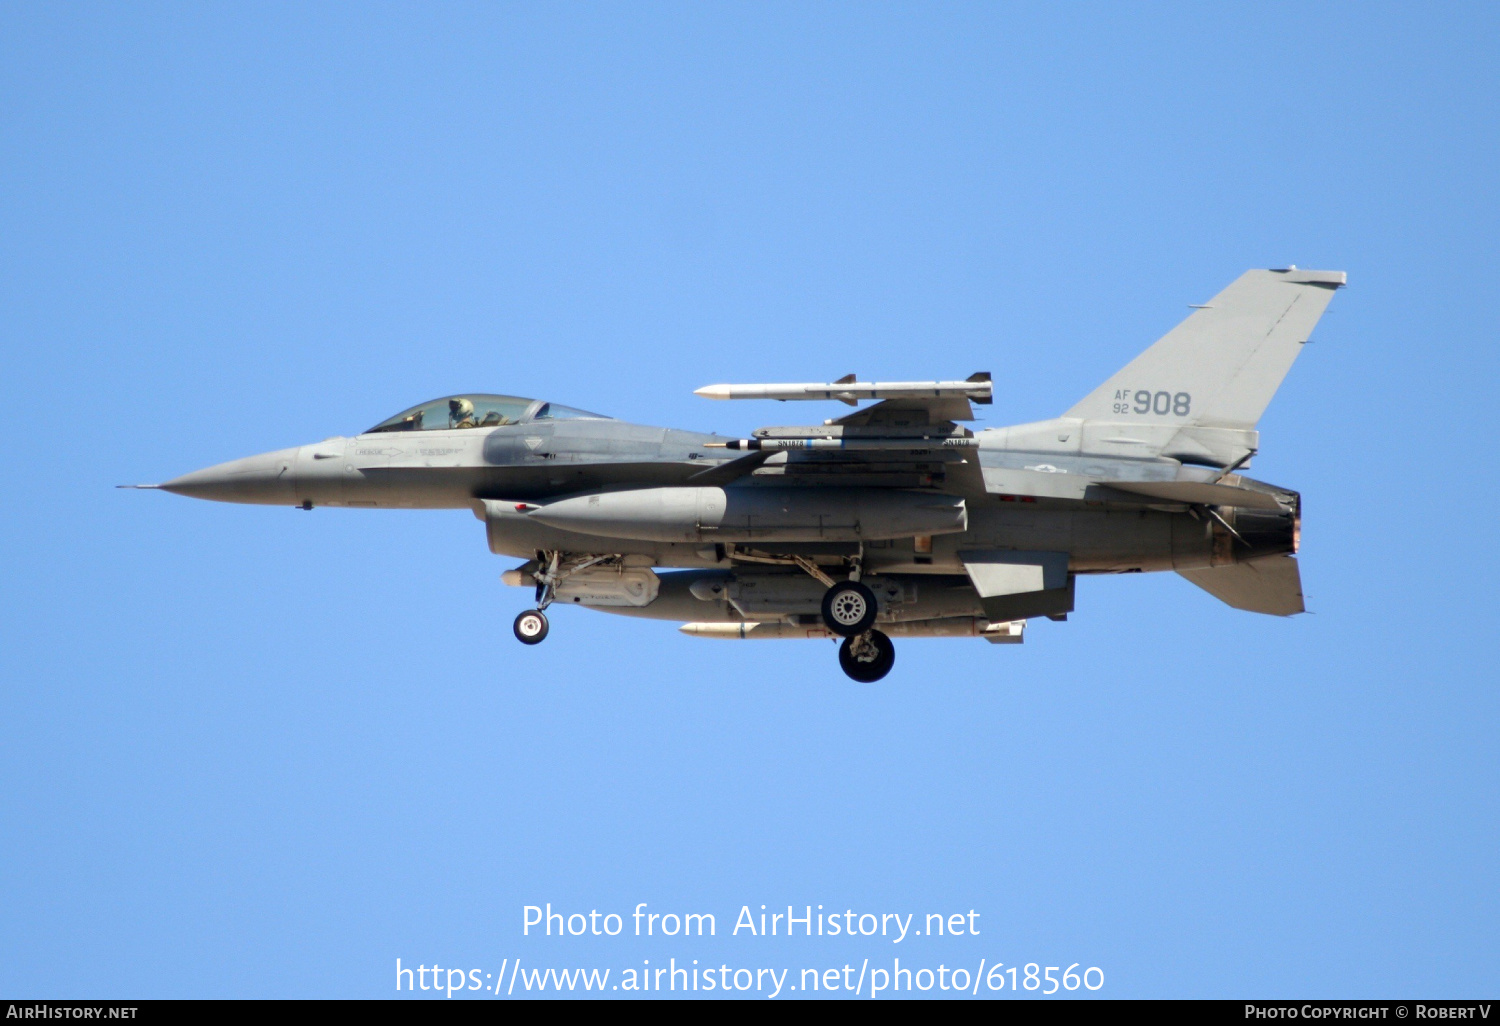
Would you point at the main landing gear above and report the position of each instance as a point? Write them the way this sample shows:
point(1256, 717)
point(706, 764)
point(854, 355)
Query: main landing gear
point(849, 610)
point(867, 657)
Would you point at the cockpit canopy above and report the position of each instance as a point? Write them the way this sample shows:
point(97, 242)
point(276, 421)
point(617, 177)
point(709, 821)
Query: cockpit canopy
point(478, 411)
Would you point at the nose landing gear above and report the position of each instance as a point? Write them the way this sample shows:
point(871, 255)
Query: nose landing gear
point(867, 657)
point(531, 627)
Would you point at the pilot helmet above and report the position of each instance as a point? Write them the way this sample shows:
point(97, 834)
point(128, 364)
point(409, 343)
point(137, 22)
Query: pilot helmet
point(459, 409)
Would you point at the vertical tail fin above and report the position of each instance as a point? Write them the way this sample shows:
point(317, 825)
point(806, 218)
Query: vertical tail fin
point(1219, 368)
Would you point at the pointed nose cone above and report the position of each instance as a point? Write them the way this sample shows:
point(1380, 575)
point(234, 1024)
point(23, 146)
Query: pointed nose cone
point(268, 479)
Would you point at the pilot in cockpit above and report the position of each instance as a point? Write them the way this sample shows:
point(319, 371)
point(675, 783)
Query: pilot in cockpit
point(461, 414)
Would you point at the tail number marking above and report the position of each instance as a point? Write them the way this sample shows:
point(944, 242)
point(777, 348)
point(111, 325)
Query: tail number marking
point(1159, 403)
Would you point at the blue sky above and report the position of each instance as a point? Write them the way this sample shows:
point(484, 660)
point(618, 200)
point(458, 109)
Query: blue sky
point(255, 752)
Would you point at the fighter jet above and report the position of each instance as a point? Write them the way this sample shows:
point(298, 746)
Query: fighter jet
point(894, 520)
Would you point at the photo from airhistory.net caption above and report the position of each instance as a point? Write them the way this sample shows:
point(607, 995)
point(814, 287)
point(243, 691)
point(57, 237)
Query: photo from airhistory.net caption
point(913, 957)
point(758, 972)
point(1101, 1010)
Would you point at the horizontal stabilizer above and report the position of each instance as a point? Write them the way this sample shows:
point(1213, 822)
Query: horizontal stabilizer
point(1198, 493)
point(1272, 585)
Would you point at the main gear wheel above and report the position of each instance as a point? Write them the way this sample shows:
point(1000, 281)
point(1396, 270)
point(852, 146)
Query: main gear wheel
point(867, 657)
point(849, 608)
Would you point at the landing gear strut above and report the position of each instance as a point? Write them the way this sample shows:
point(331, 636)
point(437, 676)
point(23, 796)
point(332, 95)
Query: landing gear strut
point(531, 626)
point(849, 610)
point(867, 657)
point(552, 568)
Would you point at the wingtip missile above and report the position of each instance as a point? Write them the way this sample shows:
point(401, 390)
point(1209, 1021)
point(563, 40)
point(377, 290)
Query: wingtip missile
point(978, 388)
point(908, 443)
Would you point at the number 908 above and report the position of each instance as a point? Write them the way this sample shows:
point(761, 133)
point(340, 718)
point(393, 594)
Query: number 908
point(1159, 403)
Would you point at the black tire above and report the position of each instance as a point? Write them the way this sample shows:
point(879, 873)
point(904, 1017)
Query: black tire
point(867, 670)
point(849, 608)
point(531, 627)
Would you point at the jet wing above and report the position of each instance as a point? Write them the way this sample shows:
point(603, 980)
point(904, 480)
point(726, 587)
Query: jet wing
point(911, 468)
point(910, 412)
point(893, 444)
point(909, 439)
point(1272, 585)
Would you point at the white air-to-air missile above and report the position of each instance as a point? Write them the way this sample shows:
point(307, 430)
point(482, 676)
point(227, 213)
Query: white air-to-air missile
point(847, 390)
point(893, 520)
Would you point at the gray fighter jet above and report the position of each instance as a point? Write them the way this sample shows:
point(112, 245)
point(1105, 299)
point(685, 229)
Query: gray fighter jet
point(893, 520)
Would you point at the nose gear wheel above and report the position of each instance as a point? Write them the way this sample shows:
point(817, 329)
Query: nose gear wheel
point(531, 627)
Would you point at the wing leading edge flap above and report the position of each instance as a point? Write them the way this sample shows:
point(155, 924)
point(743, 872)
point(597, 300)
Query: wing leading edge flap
point(1018, 585)
point(1272, 585)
